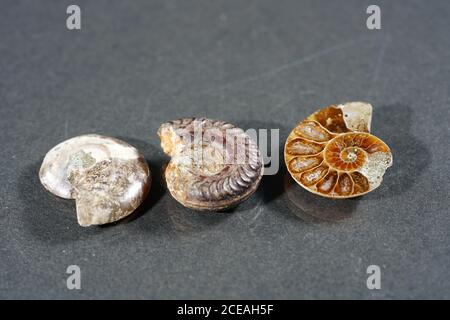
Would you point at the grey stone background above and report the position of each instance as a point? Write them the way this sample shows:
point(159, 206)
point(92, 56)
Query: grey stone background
point(258, 64)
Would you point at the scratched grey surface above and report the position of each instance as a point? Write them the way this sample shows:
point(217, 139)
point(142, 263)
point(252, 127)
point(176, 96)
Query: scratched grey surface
point(259, 64)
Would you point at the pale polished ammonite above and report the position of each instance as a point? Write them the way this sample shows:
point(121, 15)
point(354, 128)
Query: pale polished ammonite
point(107, 177)
point(213, 166)
point(331, 153)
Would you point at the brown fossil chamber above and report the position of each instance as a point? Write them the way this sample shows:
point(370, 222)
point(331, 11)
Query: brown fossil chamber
point(213, 166)
point(331, 153)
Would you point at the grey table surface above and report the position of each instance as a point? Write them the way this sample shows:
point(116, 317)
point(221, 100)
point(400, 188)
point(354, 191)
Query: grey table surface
point(258, 64)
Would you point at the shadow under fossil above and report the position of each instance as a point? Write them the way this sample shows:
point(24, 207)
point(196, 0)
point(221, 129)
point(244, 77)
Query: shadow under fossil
point(313, 208)
point(185, 220)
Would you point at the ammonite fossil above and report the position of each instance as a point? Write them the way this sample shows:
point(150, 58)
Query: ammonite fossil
point(331, 153)
point(213, 165)
point(108, 178)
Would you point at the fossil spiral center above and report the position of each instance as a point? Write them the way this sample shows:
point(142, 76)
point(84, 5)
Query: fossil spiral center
point(344, 153)
point(350, 154)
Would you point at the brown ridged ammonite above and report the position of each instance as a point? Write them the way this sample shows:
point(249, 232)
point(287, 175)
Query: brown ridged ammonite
point(108, 178)
point(213, 165)
point(331, 153)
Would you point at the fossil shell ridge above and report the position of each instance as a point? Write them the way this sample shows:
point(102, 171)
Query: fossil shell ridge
point(213, 165)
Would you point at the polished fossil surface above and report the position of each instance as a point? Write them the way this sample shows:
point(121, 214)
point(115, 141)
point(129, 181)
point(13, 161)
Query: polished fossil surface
point(331, 152)
point(107, 177)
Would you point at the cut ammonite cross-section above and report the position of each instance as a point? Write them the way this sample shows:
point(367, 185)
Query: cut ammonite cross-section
point(332, 153)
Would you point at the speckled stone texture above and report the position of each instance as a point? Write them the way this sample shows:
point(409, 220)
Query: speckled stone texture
point(256, 64)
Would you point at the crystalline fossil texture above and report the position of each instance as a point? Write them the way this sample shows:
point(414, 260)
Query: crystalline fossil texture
point(331, 153)
point(107, 177)
point(213, 165)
